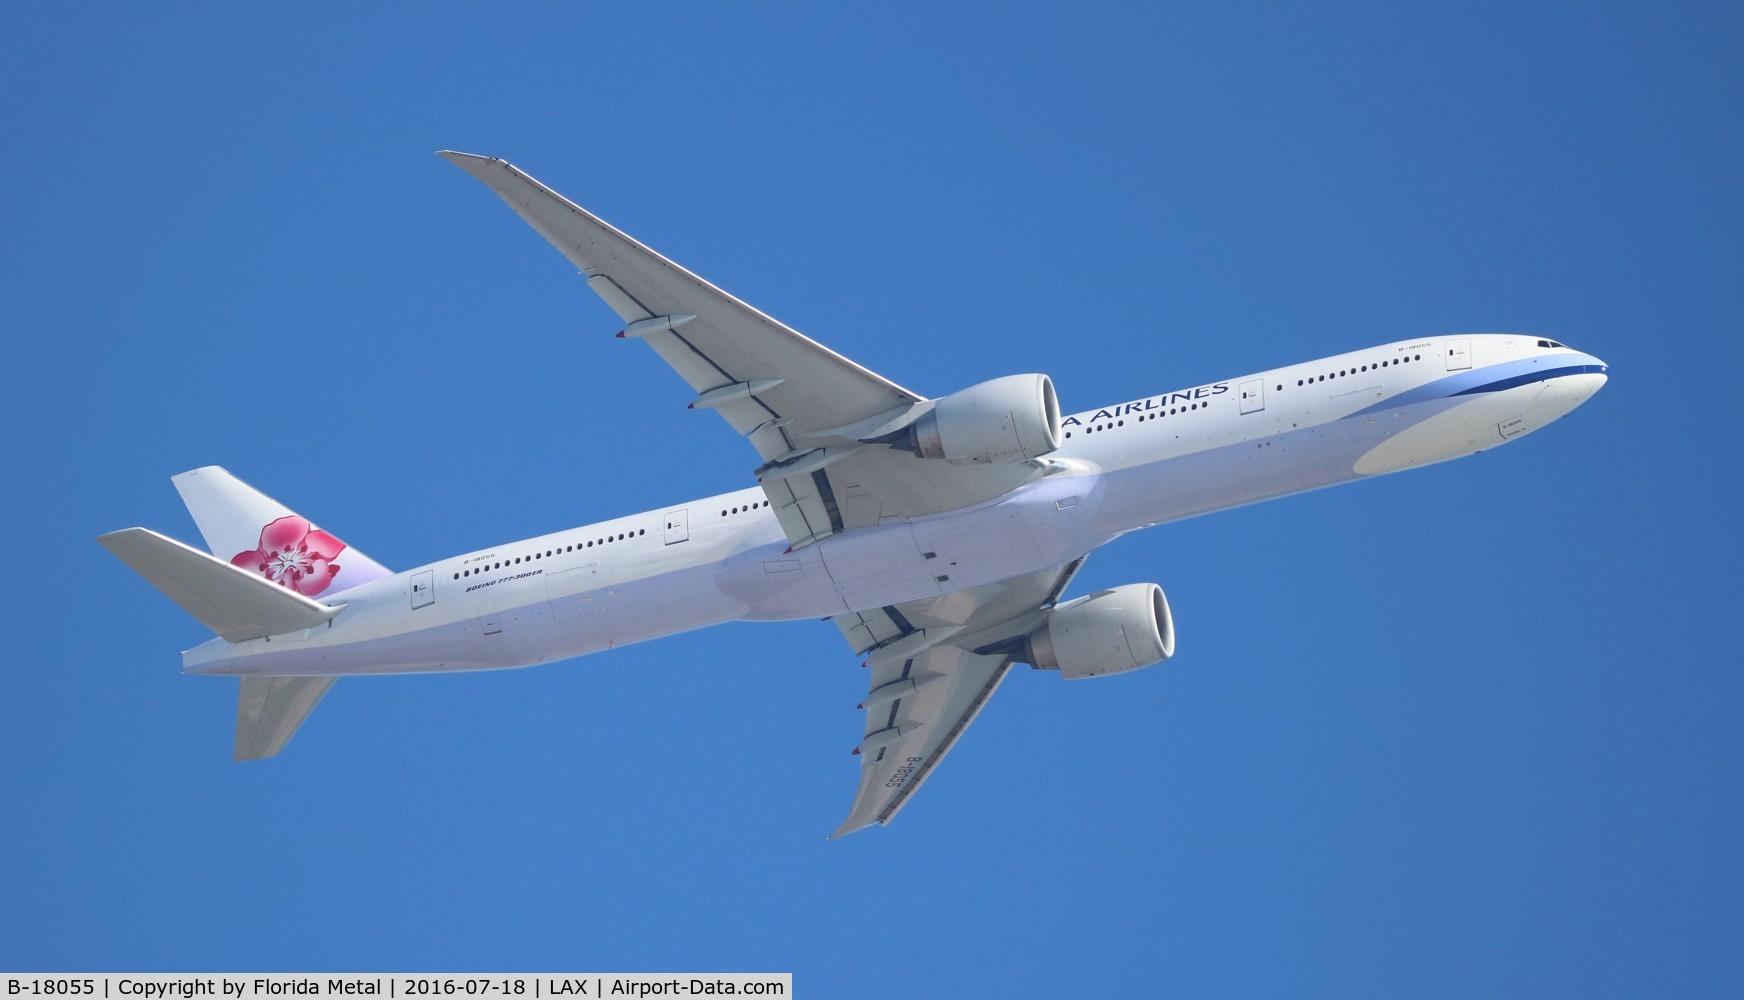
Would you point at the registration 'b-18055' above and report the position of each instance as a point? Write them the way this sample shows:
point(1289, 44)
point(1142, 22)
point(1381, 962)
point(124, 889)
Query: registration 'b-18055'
point(940, 535)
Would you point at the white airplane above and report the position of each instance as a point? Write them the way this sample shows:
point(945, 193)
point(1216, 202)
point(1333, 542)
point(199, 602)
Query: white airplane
point(939, 534)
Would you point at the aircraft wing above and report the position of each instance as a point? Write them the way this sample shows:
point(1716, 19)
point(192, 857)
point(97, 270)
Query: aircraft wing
point(934, 663)
point(805, 408)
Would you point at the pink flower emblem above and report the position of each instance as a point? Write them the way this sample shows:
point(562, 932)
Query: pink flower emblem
point(294, 554)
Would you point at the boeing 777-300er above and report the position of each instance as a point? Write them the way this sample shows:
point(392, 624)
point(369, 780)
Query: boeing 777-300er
point(940, 535)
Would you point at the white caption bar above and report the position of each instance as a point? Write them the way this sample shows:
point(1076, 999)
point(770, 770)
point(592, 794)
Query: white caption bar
point(332, 985)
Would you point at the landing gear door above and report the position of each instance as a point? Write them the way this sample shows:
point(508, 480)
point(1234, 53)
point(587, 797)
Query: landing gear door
point(423, 589)
point(1253, 395)
point(677, 526)
point(1458, 355)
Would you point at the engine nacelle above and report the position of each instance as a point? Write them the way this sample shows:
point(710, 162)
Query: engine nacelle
point(1108, 632)
point(1006, 420)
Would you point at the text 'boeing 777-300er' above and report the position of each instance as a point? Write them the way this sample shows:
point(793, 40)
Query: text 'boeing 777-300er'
point(939, 534)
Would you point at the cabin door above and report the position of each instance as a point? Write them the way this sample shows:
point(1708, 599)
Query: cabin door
point(677, 526)
point(1253, 395)
point(423, 589)
point(1458, 355)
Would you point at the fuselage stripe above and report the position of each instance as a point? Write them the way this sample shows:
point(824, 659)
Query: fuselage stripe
point(1480, 380)
point(1530, 377)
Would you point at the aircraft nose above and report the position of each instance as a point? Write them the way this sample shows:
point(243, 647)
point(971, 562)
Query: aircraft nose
point(1578, 387)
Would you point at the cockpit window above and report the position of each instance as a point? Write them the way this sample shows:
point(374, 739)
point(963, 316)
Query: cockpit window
point(1548, 343)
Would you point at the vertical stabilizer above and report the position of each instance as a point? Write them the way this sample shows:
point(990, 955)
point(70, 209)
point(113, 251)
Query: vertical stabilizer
point(254, 532)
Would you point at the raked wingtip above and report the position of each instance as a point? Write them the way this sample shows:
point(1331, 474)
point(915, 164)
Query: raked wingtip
point(463, 160)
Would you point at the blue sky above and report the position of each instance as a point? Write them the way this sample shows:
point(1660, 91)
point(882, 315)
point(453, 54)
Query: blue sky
point(1467, 731)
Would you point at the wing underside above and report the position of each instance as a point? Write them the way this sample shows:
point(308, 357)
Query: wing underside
point(822, 426)
point(807, 410)
point(934, 664)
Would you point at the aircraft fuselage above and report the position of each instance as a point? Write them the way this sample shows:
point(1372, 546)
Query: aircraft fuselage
point(1133, 465)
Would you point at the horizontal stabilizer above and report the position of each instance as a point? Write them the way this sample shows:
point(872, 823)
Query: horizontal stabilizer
point(232, 602)
point(271, 709)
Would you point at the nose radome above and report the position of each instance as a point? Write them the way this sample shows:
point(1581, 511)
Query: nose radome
point(1579, 387)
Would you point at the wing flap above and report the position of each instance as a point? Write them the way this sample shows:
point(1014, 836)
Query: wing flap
point(891, 774)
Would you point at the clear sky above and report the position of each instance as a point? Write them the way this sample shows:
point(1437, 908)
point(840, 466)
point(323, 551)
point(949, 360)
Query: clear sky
point(1468, 731)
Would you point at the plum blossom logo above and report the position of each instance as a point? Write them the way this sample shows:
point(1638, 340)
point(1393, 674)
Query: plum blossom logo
point(294, 554)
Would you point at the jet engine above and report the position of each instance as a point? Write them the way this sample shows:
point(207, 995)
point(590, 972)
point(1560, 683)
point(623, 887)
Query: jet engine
point(1108, 632)
point(1005, 420)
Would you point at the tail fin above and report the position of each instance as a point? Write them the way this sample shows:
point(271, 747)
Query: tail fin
point(267, 566)
point(237, 605)
point(254, 532)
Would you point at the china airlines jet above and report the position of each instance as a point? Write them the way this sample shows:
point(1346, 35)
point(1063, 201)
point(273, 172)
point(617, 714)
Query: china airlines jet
point(940, 535)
